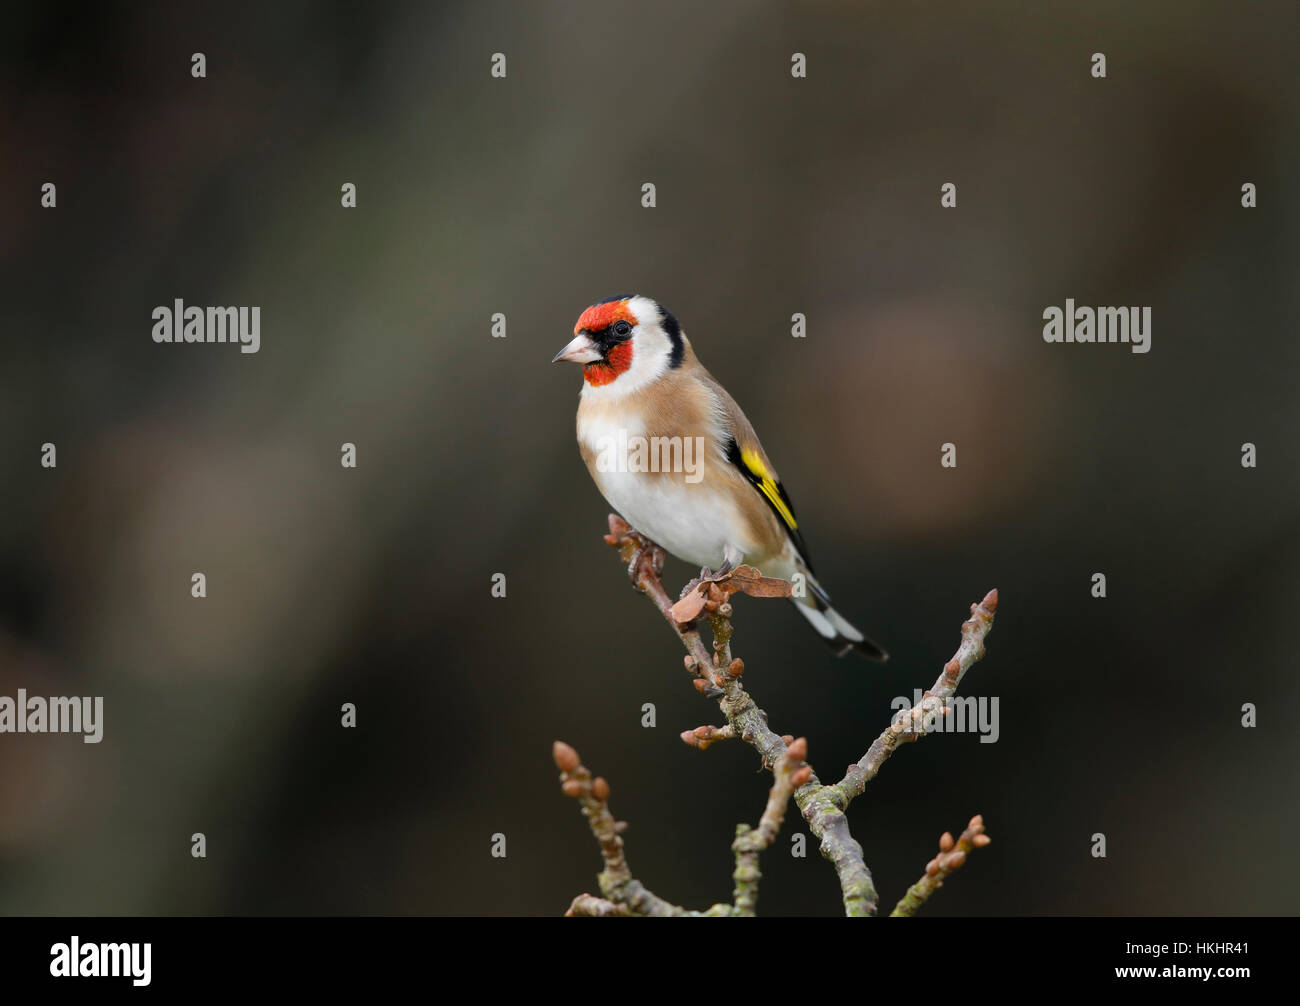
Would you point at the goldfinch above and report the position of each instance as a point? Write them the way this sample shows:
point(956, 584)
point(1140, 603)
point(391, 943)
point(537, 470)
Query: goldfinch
point(673, 453)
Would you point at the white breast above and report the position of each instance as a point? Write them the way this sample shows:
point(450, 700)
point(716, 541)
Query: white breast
point(695, 522)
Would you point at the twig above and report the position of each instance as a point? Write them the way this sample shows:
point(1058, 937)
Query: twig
point(616, 882)
point(706, 736)
point(790, 773)
point(922, 719)
point(585, 905)
point(951, 857)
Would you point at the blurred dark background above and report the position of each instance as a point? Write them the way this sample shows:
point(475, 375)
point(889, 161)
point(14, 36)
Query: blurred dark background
point(522, 196)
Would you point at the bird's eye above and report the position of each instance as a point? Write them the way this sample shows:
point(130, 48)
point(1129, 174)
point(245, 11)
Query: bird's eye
point(622, 329)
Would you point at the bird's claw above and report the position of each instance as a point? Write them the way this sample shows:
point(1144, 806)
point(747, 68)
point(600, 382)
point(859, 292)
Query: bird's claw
point(646, 552)
point(707, 576)
point(721, 576)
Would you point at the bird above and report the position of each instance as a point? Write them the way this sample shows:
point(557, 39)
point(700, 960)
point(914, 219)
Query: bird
point(673, 453)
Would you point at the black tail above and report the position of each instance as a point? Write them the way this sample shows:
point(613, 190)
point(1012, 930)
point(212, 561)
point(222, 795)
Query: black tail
point(836, 630)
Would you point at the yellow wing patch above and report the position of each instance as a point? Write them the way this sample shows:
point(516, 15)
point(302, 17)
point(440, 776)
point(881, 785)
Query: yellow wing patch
point(767, 486)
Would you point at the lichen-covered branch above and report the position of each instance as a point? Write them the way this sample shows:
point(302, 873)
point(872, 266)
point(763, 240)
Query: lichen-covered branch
point(716, 673)
point(790, 773)
point(718, 676)
point(624, 895)
point(952, 855)
point(591, 907)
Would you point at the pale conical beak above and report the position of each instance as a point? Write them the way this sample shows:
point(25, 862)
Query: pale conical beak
point(580, 350)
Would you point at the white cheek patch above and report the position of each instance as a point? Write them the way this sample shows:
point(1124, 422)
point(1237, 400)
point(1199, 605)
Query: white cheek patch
point(651, 349)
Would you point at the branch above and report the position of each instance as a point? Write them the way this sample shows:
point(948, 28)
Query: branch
point(913, 724)
point(717, 673)
point(951, 857)
point(623, 893)
point(587, 906)
point(706, 736)
point(825, 818)
point(790, 774)
point(718, 676)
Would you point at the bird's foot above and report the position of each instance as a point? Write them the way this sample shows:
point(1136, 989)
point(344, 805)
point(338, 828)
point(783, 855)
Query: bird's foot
point(721, 576)
point(706, 577)
point(646, 558)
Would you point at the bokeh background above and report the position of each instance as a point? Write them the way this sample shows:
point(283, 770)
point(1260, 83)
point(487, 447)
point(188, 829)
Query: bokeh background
point(522, 196)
